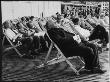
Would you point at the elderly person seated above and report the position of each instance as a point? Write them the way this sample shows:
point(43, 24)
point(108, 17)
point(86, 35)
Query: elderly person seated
point(15, 36)
point(92, 20)
point(82, 22)
point(38, 38)
point(71, 46)
point(85, 33)
point(103, 21)
point(104, 29)
point(33, 24)
point(106, 19)
point(98, 32)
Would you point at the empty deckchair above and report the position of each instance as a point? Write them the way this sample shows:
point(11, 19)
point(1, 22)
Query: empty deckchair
point(46, 62)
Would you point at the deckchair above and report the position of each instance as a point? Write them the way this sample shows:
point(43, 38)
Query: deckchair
point(58, 60)
point(14, 45)
point(91, 27)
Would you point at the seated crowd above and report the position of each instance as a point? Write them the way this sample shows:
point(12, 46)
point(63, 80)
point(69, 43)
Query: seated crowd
point(29, 34)
point(90, 28)
point(73, 35)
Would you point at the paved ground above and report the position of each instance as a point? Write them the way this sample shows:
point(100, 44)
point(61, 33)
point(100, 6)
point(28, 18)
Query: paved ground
point(19, 69)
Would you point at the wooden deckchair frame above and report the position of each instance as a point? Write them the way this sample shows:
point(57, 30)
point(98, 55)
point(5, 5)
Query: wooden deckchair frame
point(64, 58)
point(58, 60)
point(11, 43)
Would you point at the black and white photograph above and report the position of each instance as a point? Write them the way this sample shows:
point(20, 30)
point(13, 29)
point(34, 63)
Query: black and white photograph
point(55, 41)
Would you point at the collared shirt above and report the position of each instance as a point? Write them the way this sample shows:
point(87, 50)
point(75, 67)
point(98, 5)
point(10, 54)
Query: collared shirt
point(84, 32)
point(10, 33)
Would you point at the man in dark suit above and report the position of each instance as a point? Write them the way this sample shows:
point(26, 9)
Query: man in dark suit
point(71, 47)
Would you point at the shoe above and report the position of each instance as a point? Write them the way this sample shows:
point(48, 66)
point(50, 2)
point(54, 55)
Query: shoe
point(98, 70)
